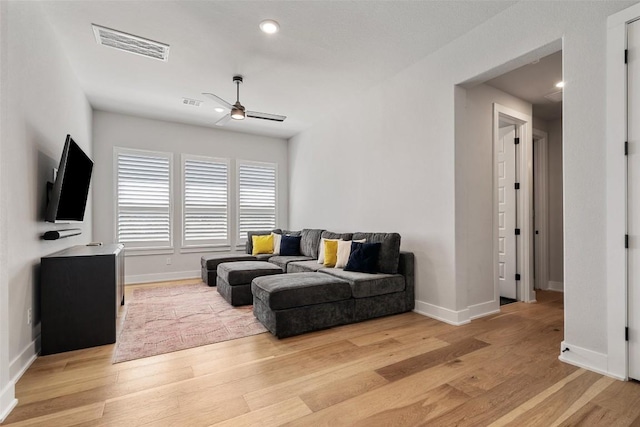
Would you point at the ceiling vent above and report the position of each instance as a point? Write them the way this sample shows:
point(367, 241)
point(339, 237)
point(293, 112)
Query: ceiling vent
point(130, 43)
point(193, 102)
point(554, 96)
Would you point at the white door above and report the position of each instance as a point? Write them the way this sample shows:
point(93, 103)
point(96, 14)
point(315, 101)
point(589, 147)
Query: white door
point(506, 211)
point(633, 120)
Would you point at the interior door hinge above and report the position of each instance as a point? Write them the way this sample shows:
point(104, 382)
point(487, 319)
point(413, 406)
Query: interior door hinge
point(517, 185)
point(626, 148)
point(518, 276)
point(626, 56)
point(516, 141)
point(517, 231)
point(626, 333)
point(626, 241)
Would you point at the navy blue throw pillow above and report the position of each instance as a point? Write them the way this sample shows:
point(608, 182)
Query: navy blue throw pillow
point(364, 257)
point(290, 245)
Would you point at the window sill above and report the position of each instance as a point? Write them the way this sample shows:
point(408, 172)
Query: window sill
point(205, 249)
point(128, 251)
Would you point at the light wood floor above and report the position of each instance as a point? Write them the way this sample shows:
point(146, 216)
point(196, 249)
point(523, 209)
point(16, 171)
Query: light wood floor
point(395, 371)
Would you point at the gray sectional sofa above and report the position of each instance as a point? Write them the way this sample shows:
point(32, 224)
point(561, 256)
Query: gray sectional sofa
point(311, 296)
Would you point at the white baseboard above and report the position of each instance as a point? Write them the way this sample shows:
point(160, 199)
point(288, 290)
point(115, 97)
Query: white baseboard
point(484, 309)
point(21, 363)
point(455, 318)
point(556, 286)
point(585, 358)
point(8, 400)
point(161, 277)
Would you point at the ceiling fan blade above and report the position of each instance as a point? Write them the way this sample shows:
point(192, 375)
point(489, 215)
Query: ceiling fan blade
point(219, 100)
point(266, 116)
point(223, 120)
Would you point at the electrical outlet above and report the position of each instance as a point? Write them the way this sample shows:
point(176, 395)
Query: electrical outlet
point(29, 316)
point(169, 261)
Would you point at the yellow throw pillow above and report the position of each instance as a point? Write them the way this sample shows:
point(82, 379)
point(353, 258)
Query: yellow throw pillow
point(321, 251)
point(330, 252)
point(262, 244)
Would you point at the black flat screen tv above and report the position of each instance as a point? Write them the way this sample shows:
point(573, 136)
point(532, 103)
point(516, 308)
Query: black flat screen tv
point(68, 197)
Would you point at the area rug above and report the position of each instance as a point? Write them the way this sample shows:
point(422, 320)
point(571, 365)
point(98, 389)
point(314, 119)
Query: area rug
point(170, 318)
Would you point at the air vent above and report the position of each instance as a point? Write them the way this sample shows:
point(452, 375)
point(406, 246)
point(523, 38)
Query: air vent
point(130, 43)
point(554, 96)
point(193, 102)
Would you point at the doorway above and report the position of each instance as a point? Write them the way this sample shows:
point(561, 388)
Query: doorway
point(539, 211)
point(507, 209)
point(512, 206)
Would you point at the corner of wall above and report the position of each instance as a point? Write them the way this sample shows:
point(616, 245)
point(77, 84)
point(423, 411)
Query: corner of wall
point(7, 401)
point(452, 317)
point(586, 359)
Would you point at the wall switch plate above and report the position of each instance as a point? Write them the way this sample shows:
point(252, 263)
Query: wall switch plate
point(169, 261)
point(29, 316)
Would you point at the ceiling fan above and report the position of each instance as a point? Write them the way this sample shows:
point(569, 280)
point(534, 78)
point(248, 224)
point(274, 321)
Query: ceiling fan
point(237, 110)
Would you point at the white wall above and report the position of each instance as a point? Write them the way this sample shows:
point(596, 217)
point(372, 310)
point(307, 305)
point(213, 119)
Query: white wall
point(540, 124)
point(390, 163)
point(116, 130)
point(556, 247)
point(7, 387)
point(42, 102)
point(474, 195)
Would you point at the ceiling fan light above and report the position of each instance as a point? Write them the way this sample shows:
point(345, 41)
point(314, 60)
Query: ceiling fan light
point(237, 113)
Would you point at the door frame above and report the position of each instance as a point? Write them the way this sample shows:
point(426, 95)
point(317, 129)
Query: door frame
point(617, 363)
point(541, 208)
point(524, 203)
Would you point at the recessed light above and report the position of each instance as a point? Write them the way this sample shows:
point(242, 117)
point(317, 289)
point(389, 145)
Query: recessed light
point(269, 26)
point(560, 84)
point(219, 109)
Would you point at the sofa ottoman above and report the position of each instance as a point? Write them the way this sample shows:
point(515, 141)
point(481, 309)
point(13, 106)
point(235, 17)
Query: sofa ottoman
point(209, 265)
point(234, 279)
point(294, 303)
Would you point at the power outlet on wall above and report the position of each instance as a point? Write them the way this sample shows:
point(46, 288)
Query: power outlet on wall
point(168, 260)
point(29, 316)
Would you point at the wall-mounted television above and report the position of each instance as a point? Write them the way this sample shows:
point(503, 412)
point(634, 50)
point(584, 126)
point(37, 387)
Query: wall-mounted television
point(68, 197)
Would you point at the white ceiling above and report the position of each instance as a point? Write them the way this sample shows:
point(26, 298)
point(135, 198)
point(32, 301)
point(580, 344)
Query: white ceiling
point(532, 82)
point(325, 51)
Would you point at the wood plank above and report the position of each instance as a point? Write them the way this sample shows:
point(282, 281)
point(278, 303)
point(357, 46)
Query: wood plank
point(594, 415)
point(551, 403)
point(419, 363)
point(438, 401)
point(343, 389)
point(69, 417)
point(274, 415)
point(481, 410)
point(391, 352)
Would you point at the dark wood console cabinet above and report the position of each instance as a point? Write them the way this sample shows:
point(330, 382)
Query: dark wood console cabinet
point(81, 290)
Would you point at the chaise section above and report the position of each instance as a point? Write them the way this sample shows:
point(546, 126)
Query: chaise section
point(234, 279)
point(209, 265)
point(366, 285)
point(304, 266)
point(291, 304)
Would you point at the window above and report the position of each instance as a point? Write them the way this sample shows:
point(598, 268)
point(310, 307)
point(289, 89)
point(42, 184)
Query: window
point(256, 197)
point(143, 199)
point(205, 208)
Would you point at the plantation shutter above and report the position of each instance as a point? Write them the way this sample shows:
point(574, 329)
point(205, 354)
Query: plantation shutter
point(205, 206)
point(256, 197)
point(144, 199)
